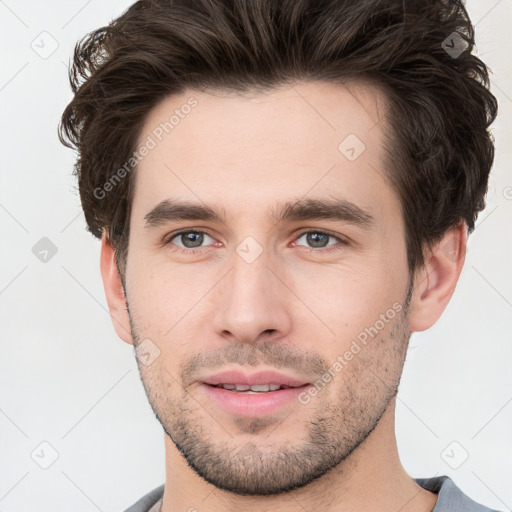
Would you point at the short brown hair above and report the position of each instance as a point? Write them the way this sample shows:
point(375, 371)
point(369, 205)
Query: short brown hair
point(440, 150)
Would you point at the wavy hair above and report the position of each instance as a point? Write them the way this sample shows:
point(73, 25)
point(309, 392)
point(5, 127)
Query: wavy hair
point(439, 147)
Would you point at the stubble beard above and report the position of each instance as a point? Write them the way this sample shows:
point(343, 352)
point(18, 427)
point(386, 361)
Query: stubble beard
point(345, 413)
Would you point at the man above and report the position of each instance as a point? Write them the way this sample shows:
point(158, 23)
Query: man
point(283, 190)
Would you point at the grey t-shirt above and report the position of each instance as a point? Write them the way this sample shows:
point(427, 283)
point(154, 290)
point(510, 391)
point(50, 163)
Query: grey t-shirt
point(450, 497)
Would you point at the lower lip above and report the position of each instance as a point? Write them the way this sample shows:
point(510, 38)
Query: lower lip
point(253, 405)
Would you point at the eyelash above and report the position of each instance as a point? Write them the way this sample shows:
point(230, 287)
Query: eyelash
point(341, 240)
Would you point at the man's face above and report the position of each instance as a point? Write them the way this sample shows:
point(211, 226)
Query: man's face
point(250, 292)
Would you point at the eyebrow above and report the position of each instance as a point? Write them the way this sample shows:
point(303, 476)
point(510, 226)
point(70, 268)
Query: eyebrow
point(301, 210)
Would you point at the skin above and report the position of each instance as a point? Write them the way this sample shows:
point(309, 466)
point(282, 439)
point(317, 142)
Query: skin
point(291, 309)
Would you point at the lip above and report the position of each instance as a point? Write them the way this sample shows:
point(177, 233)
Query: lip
point(261, 377)
point(252, 405)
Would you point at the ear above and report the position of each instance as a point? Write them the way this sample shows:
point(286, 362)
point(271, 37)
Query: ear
point(114, 292)
point(435, 283)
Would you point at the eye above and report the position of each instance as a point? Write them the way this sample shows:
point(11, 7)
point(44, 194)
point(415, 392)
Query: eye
point(188, 239)
point(320, 240)
point(192, 240)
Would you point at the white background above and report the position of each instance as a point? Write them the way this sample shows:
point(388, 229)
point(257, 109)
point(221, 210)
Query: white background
point(65, 377)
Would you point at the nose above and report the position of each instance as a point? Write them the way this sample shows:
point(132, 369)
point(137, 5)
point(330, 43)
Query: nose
point(253, 303)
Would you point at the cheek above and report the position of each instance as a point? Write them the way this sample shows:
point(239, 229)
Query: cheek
point(150, 297)
point(165, 299)
point(346, 298)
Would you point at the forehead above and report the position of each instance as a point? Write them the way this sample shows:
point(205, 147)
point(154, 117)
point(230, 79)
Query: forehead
point(259, 147)
point(288, 114)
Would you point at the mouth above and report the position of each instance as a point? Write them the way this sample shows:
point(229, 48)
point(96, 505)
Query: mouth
point(258, 400)
point(254, 389)
point(253, 394)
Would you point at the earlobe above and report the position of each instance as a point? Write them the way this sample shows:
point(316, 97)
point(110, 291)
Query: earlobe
point(114, 291)
point(435, 283)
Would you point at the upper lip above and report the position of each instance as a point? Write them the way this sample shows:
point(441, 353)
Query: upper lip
point(253, 379)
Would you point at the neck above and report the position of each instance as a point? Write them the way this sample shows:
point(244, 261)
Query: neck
point(370, 479)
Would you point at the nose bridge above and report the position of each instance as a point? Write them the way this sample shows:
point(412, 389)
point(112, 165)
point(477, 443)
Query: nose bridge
point(250, 281)
point(252, 302)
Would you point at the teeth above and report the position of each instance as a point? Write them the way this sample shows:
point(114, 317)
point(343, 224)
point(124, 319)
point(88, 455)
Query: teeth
point(258, 388)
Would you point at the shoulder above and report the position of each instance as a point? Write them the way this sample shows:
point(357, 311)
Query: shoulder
point(450, 497)
point(147, 501)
